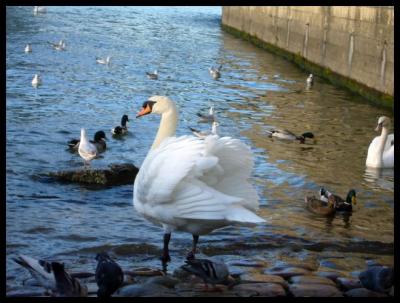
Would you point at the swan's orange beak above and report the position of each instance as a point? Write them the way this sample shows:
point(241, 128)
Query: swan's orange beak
point(144, 111)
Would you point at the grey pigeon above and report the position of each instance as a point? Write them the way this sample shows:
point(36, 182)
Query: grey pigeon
point(212, 272)
point(109, 275)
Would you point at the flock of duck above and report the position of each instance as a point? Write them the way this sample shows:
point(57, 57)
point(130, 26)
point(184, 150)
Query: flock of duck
point(208, 189)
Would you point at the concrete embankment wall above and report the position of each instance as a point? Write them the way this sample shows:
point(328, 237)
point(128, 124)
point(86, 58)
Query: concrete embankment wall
point(352, 46)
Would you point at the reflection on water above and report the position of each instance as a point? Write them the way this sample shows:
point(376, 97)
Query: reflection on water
point(257, 91)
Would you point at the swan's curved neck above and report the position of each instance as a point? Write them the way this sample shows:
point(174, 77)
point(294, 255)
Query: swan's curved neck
point(382, 141)
point(168, 124)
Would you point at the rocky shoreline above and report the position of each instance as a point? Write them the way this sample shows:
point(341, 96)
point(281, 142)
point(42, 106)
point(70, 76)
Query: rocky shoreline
point(287, 279)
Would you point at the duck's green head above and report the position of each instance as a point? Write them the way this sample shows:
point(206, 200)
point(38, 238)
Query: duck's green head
point(351, 197)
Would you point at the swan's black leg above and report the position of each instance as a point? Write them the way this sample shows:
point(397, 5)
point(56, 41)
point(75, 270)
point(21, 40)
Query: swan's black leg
point(191, 254)
point(165, 256)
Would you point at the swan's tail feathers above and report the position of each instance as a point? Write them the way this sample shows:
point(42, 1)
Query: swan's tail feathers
point(243, 216)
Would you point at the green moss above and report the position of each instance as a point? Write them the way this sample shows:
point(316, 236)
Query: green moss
point(372, 95)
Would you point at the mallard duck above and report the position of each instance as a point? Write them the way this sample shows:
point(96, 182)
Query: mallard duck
point(320, 207)
point(339, 203)
point(215, 72)
point(109, 275)
point(36, 81)
point(98, 141)
point(52, 276)
point(381, 149)
point(123, 129)
point(152, 76)
point(105, 61)
point(288, 135)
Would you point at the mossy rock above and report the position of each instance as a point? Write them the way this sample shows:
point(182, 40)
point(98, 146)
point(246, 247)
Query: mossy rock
point(116, 174)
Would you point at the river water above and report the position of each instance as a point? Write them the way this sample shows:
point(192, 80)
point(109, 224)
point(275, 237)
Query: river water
point(257, 91)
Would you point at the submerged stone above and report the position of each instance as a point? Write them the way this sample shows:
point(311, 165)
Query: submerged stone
point(363, 292)
point(116, 174)
point(288, 272)
point(348, 284)
point(259, 289)
point(311, 279)
point(377, 278)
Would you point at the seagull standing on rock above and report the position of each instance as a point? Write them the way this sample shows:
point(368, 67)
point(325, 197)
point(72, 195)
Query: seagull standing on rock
point(87, 150)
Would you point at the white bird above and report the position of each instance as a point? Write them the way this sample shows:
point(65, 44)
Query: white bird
point(103, 61)
point(202, 135)
point(193, 185)
point(36, 81)
point(53, 276)
point(208, 118)
point(381, 149)
point(39, 9)
point(86, 150)
point(310, 80)
point(28, 48)
point(152, 76)
point(215, 72)
point(60, 46)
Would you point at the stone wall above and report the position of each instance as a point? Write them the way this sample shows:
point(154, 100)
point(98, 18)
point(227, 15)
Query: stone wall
point(355, 43)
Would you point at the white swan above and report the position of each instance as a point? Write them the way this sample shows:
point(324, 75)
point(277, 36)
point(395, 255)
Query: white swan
point(86, 150)
point(381, 149)
point(193, 185)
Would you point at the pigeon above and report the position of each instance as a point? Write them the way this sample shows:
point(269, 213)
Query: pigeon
point(210, 271)
point(109, 275)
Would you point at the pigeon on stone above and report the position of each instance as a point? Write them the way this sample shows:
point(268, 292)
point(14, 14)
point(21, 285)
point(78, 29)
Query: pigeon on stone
point(109, 275)
point(377, 278)
point(212, 272)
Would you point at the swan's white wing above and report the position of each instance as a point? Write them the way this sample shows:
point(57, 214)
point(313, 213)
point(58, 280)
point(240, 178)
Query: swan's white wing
point(164, 167)
point(388, 157)
point(190, 178)
point(230, 176)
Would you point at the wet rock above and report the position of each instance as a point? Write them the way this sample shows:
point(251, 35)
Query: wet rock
point(347, 284)
point(92, 288)
point(363, 292)
point(328, 274)
point(147, 272)
point(26, 293)
point(377, 278)
point(116, 174)
point(246, 263)
point(311, 279)
point(311, 265)
point(142, 290)
point(263, 278)
point(259, 289)
point(181, 273)
point(167, 281)
point(314, 290)
point(288, 272)
point(82, 275)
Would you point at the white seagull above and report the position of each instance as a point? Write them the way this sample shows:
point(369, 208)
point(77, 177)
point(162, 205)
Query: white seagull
point(310, 80)
point(60, 46)
point(86, 150)
point(39, 9)
point(103, 61)
point(36, 81)
point(202, 135)
point(208, 118)
point(28, 48)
